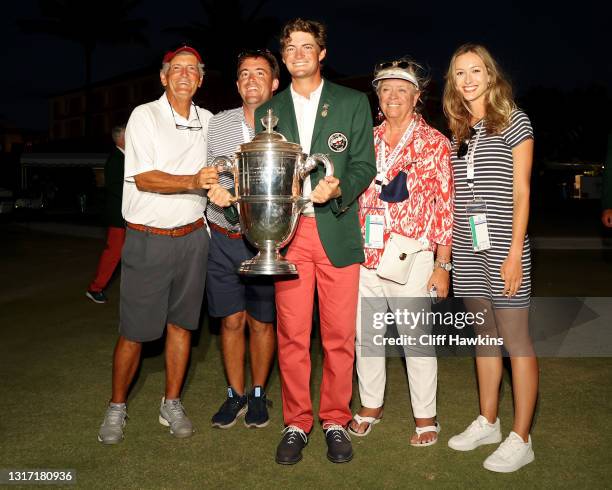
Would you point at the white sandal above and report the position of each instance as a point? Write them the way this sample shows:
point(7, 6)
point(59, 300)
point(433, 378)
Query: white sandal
point(430, 428)
point(360, 419)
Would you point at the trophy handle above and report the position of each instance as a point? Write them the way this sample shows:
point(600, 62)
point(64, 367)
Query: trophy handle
point(224, 164)
point(227, 164)
point(311, 163)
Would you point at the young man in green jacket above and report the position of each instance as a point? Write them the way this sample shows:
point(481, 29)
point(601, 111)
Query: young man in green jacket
point(327, 247)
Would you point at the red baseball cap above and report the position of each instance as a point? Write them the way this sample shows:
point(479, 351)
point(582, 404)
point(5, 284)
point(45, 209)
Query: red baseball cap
point(188, 49)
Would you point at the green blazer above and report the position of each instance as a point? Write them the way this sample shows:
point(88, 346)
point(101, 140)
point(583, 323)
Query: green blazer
point(344, 114)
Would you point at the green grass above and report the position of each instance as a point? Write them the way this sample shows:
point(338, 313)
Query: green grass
point(55, 363)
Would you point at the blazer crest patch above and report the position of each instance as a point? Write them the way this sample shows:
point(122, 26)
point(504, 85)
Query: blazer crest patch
point(337, 142)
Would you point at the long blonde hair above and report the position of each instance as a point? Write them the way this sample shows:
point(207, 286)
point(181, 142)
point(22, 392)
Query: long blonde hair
point(499, 102)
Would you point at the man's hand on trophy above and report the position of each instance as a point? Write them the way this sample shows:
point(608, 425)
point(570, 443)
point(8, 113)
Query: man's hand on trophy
point(206, 178)
point(220, 196)
point(327, 188)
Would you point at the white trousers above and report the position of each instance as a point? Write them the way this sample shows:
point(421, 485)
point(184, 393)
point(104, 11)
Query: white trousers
point(422, 371)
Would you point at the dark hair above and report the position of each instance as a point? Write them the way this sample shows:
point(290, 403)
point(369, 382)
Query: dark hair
point(259, 53)
point(317, 29)
point(117, 130)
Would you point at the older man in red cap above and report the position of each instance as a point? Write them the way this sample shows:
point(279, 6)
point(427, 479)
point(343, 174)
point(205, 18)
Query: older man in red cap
point(166, 246)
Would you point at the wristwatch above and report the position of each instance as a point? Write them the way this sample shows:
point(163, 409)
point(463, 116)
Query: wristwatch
point(447, 266)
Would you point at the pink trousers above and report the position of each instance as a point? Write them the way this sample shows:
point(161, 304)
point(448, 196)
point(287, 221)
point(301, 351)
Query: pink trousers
point(110, 257)
point(338, 292)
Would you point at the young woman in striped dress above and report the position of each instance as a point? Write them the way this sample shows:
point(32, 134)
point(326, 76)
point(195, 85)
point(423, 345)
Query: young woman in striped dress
point(492, 159)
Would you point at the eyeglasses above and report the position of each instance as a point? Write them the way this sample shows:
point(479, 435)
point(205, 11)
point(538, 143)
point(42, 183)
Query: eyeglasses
point(183, 127)
point(403, 64)
point(246, 53)
point(464, 145)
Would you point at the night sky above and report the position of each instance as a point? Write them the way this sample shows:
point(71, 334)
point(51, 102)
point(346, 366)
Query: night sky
point(537, 43)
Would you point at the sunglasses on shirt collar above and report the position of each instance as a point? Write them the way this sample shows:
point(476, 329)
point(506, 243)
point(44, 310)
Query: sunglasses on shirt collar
point(183, 127)
point(464, 145)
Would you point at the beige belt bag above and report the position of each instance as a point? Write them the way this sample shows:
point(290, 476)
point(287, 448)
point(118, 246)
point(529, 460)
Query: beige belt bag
point(398, 258)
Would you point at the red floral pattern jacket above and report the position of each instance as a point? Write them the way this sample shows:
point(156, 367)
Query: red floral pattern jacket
point(427, 214)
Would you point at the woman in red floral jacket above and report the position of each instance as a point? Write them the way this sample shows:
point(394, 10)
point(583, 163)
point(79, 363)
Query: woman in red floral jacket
point(409, 205)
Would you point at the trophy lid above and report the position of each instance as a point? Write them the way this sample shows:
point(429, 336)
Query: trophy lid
point(268, 139)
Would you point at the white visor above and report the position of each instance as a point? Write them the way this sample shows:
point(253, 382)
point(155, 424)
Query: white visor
point(396, 73)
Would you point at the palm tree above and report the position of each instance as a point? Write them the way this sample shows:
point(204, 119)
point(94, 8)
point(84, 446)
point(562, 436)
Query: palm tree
point(228, 29)
point(88, 23)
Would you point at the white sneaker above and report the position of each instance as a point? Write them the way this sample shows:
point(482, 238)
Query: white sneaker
point(478, 433)
point(512, 454)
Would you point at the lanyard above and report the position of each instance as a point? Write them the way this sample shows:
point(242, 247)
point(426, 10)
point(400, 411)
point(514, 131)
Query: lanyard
point(382, 163)
point(246, 135)
point(470, 162)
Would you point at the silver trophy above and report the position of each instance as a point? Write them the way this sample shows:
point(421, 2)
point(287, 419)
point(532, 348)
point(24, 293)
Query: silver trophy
point(268, 175)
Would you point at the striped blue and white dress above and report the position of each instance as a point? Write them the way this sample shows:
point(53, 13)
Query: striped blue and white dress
point(477, 274)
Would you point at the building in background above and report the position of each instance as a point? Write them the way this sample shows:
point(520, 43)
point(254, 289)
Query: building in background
point(112, 101)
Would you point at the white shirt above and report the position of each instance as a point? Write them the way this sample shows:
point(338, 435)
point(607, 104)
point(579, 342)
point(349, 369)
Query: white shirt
point(152, 142)
point(306, 115)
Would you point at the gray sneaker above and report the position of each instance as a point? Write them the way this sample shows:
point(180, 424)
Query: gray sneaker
point(111, 430)
point(172, 414)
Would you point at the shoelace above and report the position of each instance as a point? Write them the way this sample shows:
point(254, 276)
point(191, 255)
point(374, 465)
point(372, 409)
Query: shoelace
point(232, 403)
point(474, 427)
point(175, 407)
point(508, 447)
point(337, 432)
point(293, 433)
point(261, 399)
point(114, 416)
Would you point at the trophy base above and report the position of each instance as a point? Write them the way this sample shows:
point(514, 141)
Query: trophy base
point(265, 265)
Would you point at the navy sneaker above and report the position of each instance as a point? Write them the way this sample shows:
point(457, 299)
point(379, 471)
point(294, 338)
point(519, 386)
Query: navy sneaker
point(232, 408)
point(257, 414)
point(97, 296)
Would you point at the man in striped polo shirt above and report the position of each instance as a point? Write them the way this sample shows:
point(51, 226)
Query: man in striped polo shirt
point(237, 300)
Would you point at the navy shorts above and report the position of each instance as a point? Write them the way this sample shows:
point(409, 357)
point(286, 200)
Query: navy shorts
point(229, 292)
point(162, 281)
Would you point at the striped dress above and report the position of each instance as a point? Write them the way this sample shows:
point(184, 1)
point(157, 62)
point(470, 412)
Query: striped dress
point(477, 274)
